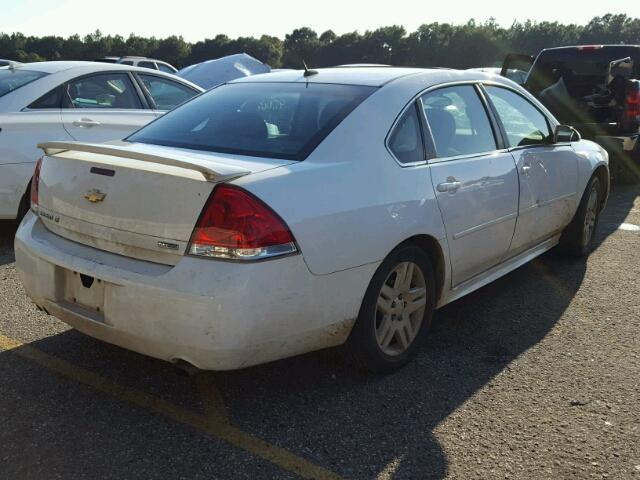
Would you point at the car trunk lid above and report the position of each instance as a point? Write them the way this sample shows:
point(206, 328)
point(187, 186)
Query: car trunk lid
point(137, 200)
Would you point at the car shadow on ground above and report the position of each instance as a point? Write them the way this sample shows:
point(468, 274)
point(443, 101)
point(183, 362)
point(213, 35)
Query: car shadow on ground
point(621, 202)
point(317, 405)
point(7, 232)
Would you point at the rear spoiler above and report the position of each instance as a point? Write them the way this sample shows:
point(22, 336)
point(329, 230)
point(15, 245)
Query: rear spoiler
point(212, 171)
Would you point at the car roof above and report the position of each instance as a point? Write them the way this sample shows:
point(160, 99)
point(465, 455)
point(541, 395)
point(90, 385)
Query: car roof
point(366, 76)
point(613, 45)
point(60, 66)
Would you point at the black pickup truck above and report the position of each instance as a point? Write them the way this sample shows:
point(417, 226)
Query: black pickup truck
point(596, 90)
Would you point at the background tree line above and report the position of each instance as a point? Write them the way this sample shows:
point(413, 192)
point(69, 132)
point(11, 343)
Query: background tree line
point(434, 44)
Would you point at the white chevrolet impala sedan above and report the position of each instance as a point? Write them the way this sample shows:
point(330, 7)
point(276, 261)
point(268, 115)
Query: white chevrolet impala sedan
point(294, 211)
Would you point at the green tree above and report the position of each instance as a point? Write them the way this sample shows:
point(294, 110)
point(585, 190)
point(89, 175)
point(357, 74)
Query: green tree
point(471, 44)
point(173, 50)
point(300, 45)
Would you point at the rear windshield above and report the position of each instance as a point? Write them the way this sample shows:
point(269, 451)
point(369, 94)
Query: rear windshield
point(11, 79)
point(580, 69)
point(279, 120)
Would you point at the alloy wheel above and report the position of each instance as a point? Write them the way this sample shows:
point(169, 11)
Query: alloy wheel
point(590, 217)
point(400, 308)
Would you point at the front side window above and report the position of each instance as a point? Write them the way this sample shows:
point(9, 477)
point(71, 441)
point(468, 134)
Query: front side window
point(165, 93)
point(406, 141)
point(458, 121)
point(523, 123)
point(12, 79)
point(268, 119)
point(110, 90)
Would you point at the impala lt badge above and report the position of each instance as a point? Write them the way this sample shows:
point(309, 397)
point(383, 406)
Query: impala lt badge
point(95, 196)
point(168, 245)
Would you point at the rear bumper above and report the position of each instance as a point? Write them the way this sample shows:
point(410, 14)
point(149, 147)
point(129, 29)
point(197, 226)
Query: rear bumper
point(215, 315)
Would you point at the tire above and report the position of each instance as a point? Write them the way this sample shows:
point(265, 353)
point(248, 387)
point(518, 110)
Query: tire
point(25, 205)
point(578, 238)
point(394, 316)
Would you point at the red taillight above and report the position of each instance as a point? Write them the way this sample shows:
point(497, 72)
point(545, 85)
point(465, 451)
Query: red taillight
point(35, 186)
point(632, 105)
point(234, 224)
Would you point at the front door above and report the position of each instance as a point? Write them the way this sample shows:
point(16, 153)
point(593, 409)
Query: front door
point(103, 107)
point(476, 184)
point(548, 173)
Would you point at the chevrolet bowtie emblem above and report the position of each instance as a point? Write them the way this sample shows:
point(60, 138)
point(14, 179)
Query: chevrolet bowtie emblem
point(95, 196)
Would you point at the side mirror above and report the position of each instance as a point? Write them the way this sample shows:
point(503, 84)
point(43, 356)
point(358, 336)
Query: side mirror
point(566, 134)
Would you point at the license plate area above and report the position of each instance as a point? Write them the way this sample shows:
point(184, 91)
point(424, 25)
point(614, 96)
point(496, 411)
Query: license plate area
point(84, 291)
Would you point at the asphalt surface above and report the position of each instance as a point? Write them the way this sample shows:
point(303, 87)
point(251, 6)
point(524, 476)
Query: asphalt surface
point(534, 376)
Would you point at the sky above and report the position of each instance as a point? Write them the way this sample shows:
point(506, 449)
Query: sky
point(199, 19)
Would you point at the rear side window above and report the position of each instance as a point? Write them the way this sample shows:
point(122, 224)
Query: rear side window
point(103, 91)
point(166, 94)
point(458, 121)
point(523, 123)
point(147, 65)
point(406, 140)
point(127, 62)
point(53, 99)
point(266, 119)
point(13, 79)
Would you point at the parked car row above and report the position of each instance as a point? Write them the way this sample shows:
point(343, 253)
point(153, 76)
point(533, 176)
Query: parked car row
point(291, 211)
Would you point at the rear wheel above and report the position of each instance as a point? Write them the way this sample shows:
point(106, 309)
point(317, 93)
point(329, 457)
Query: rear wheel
point(25, 204)
point(578, 238)
point(396, 311)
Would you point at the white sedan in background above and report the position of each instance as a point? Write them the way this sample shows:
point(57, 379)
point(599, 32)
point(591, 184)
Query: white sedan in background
point(85, 101)
point(293, 211)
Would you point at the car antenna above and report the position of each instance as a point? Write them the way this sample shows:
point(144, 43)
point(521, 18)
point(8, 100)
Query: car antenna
point(307, 72)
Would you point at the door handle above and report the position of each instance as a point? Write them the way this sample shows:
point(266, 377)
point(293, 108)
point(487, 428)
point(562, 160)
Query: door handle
point(526, 169)
point(85, 122)
point(450, 187)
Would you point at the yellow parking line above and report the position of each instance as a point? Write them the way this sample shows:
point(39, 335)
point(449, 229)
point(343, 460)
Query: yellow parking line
point(214, 422)
point(389, 471)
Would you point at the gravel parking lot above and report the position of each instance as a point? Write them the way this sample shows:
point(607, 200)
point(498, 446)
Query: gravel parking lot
point(534, 376)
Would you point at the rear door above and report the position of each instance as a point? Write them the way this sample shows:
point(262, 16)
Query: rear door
point(475, 181)
point(548, 172)
point(164, 94)
point(104, 106)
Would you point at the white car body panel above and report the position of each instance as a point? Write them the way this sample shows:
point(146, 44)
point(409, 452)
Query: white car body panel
point(22, 129)
point(97, 126)
point(12, 187)
point(348, 205)
point(19, 152)
point(481, 214)
point(549, 193)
